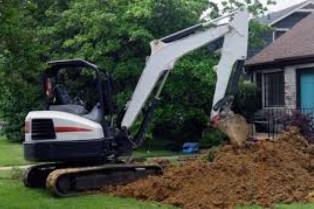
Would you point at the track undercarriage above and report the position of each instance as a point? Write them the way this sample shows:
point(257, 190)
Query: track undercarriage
point(64, 180)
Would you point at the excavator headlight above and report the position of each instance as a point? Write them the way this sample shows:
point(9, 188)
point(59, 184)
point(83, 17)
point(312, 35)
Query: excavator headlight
point(27, 127)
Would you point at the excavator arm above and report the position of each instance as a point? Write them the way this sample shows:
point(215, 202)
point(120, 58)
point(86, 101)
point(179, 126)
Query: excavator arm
point(166, 51)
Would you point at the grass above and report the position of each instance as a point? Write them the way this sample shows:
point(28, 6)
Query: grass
point(281, 206)
point(11, 153)
point(296, 206)
point(141, 153)
point(13, 195)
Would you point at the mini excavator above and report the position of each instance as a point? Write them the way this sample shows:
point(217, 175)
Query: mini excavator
point(80, 141)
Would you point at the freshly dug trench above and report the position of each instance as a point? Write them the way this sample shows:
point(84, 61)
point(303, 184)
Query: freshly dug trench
point(263, 173)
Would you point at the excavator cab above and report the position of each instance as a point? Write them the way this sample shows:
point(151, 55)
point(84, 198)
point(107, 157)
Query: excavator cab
point(73, 125)
point(78, 87)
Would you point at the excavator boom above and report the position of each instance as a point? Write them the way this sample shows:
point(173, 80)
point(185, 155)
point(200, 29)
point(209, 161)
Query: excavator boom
point(166, 51)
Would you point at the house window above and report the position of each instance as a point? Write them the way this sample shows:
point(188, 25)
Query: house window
point(274, 89)
point(279, 32)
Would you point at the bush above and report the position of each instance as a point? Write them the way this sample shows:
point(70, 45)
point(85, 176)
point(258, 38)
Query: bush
point(245, 102)
point(179, 126)
point(301, 120)
point(212, 137)
point(184, 109)
point(212, 153)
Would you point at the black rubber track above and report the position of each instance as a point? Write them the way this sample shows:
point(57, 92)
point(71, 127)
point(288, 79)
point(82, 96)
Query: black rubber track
point(71, 181)
point(35, 176)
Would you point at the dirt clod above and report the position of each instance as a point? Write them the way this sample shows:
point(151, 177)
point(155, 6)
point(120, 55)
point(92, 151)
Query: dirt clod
point(310, 197)
point(263, 173)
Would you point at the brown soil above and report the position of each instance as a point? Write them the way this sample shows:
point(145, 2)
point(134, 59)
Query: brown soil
point(264, 173)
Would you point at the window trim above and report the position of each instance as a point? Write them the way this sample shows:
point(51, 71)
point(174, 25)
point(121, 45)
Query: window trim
point(278, 30)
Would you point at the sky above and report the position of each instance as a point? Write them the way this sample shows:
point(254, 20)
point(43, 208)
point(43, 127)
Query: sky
point(281, 4)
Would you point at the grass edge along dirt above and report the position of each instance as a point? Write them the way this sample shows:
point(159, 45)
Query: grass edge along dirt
point(13, 195)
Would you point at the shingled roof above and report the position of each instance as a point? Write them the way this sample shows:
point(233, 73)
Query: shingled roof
point(296, 44)
point(271, 17)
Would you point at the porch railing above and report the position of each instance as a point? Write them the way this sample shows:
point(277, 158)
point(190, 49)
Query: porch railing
point(271, 121)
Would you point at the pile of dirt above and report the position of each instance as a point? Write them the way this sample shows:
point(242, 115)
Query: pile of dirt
point(263, 173)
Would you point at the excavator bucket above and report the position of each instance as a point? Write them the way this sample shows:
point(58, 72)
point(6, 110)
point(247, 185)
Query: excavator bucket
point(236, 128)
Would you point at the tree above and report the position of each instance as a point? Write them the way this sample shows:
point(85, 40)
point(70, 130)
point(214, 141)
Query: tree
point(115, 35)
point(19, 64)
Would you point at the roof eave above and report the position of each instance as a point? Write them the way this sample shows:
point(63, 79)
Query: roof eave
point(279, 63)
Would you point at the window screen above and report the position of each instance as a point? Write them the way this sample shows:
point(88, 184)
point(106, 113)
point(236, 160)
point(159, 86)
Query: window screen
point(274, 89)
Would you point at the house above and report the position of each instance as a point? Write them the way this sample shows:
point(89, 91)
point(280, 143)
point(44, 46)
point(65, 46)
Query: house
point(281, 22)
point(284, 70)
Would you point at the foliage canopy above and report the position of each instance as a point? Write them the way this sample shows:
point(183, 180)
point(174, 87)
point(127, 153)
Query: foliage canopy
point(115, 35)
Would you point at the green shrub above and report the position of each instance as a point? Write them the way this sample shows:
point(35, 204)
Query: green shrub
point(212, 153)
point(179, 126)
point(184, 109)
point(212, 137)
point(245, 102)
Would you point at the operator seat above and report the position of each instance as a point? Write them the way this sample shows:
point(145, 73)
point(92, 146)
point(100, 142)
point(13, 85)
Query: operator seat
point(65, 103)
point(62, 95)
point(95, 114)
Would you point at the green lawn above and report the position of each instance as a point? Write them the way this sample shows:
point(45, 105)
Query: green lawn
point(11, 153)
point(141, 153)
point(291, 206)
point(13, 195)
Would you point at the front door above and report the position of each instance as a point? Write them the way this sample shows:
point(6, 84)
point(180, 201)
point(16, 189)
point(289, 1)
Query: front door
point(307, 91)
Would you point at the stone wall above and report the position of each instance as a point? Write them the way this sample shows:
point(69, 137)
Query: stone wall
point(290, 87)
